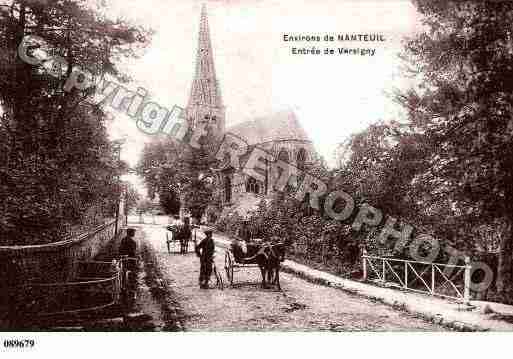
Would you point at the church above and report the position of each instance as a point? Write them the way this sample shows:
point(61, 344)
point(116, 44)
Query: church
point(280, 134)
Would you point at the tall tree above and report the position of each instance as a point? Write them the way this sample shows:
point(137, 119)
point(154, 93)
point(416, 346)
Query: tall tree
point(463, 108)
point(57, 163)
point(159, 167)
point(132, 197)
point(197, 179)
point(181, 172)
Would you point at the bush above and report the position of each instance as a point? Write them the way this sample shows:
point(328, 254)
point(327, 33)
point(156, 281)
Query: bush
point(326, 241)
point(229, 223)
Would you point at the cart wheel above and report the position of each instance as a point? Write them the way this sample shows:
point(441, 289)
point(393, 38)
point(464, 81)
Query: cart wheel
point(228, 266)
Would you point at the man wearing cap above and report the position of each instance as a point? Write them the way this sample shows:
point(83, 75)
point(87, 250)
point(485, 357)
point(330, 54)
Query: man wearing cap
point(128, 246)
point(205, 251)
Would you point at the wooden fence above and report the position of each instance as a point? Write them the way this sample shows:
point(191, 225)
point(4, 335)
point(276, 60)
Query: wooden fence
point(26, 271)
point(54, 262)
point(97, 286)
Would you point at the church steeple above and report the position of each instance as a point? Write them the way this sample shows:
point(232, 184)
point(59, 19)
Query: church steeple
point(205, 103)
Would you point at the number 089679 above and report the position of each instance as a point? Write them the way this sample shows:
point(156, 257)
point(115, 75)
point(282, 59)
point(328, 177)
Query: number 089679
point(19, 343)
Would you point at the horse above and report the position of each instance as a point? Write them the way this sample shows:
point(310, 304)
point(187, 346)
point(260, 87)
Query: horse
point(175, 230)
point(269, 258)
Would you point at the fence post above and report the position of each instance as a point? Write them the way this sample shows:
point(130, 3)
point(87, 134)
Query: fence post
point(432, 278)
point(466, 293)
point(364, 263)
point(115, 267)
point(122, 269)
point(406, 275)
point(384, 279)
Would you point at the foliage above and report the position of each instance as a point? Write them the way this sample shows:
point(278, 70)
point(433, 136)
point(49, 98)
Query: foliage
point(170, 202)
point(57, 165)
point(132, 196)
point(145, 205)
point(294, 223)
point(159, 170)
point(229, 223)
point(462, 108)
point(448, 169)
point(197, 180)
point(179, 172)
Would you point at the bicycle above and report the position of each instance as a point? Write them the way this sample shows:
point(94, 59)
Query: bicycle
point(217, 275)
point(129, 268)
point(218, 278)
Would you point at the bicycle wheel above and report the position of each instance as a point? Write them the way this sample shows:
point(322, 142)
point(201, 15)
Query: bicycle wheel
point(219, 279)
point(228, 266)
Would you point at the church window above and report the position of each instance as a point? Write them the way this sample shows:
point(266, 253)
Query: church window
point(227, 189)
point(252, 186)
point(283, 155)
point(301, 158)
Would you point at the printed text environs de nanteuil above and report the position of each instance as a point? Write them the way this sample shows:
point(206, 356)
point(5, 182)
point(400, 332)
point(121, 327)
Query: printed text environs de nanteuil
point(332, 37)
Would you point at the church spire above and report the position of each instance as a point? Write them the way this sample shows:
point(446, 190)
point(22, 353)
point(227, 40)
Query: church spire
point(205, 102)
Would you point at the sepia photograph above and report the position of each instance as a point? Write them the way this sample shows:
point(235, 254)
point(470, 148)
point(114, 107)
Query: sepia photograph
point(299, 167)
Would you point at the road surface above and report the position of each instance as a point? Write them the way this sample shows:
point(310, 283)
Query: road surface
point(246, 306)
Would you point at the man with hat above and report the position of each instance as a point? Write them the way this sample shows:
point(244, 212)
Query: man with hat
point(128, 246)
point(205, 251)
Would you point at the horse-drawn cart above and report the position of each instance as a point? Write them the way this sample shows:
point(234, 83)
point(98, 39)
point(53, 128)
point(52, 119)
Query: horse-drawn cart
point(231, 265)
point(265, 256)
point(173, 239)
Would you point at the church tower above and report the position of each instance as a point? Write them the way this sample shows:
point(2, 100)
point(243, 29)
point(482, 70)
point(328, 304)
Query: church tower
point(205, 104)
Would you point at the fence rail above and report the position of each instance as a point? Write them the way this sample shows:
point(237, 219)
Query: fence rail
point(98, 287)
point(53, 262)
point(50, 274)
point(444, 280)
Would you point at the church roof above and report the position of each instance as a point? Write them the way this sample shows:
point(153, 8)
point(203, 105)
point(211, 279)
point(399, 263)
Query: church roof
point(282, 125)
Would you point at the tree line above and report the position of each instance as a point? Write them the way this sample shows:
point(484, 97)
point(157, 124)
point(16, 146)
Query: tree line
point(446, 167)
point(58, 168)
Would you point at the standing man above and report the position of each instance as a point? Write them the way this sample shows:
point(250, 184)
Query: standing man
point(128, 246)
point(205, 251)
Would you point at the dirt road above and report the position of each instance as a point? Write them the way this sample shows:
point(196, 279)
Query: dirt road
point(300, 305)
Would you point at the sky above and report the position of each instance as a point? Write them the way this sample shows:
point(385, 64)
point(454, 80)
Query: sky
point(332, 96)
